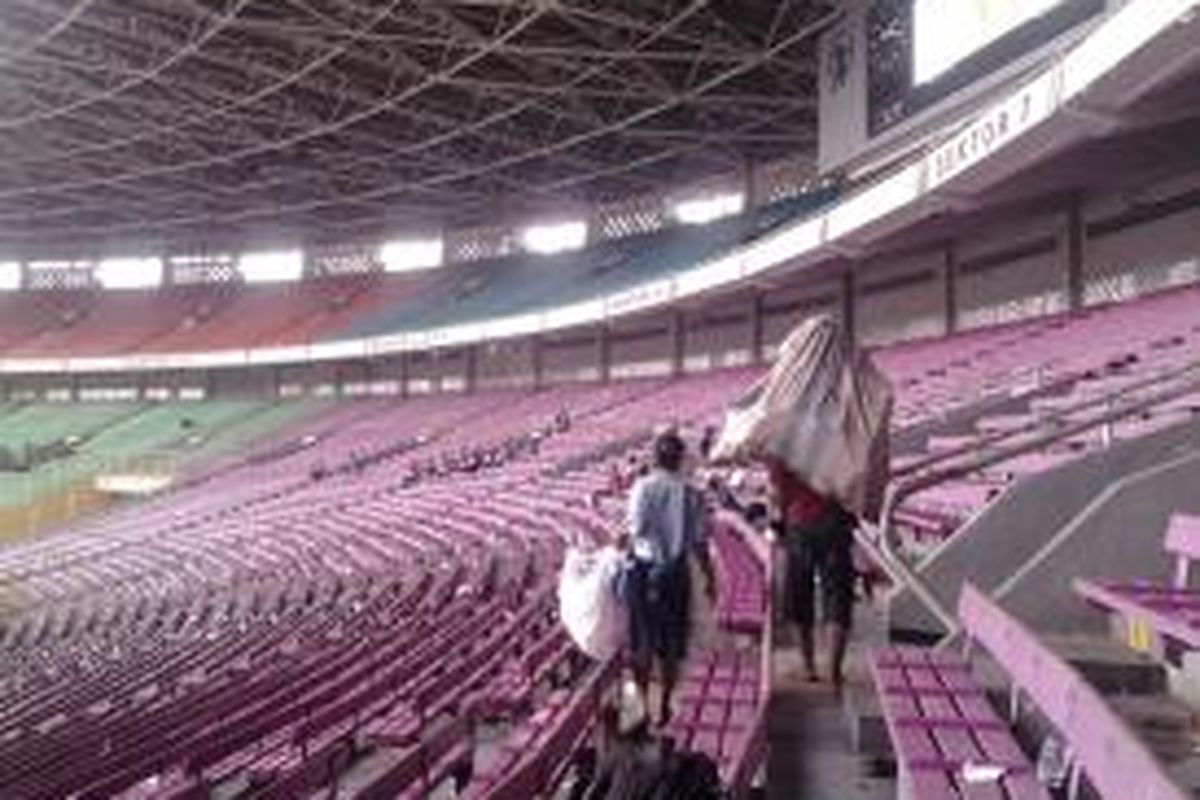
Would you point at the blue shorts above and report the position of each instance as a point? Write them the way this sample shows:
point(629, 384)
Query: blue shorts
point(659, 600)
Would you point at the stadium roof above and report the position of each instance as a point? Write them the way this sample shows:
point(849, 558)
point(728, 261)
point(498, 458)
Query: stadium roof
point(210, 121)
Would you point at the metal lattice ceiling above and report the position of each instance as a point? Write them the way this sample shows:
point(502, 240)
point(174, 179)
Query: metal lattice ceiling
point(162, 121)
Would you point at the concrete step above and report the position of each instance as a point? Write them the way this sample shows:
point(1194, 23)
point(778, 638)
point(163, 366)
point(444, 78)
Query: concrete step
point(357, 775)
point(864, 721)
point(811, 753)
point(1186, 773)
point(1168, 727)
point(1164, 724)
point(1111, 666)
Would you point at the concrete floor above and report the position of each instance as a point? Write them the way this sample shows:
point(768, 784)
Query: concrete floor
point(811, 756)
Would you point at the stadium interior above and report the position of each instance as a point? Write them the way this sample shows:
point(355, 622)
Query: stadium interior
point(329, 327)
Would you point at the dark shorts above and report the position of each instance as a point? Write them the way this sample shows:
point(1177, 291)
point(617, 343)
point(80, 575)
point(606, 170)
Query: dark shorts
point(822, 550)
point(659, 611)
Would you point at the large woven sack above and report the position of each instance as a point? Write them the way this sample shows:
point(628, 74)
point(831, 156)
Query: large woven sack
point(823, 410)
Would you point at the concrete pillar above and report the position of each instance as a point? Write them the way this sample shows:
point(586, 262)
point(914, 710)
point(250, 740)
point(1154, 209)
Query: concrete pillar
point(537, 358)
point(1074, 240)
point(595, 225)
point(604, 352)
point(950, 287)
point(757, 327)
point(750, 189)
point(471, 369)
point(848, 301)
point(339, 379)
point(678, 333)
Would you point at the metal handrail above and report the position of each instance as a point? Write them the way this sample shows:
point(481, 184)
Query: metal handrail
point(883, 542)
point(1041, 420)
point(1066, 430)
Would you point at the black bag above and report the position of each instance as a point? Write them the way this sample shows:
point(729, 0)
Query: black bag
point(668, 775)
point(687, 776)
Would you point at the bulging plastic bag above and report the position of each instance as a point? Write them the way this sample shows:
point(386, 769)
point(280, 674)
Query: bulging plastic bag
point(1053, 763)
point(703, 631)
point(590, 609)
point(823, 410)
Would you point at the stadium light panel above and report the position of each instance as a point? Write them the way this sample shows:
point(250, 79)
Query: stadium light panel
point(947, 32)
point(10, 276)
point(700, 210)
point(271, 267)
point(130, 273)
point(57, 265)
point(407, 255)
point(555, 237)
point(194, 260)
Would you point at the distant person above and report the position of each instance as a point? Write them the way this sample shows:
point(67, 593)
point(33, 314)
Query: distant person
point(757, 513)
point(707, 440)
point(818, 537)
point(614, 486)
point(668, 523)
point(632, 470)
point(722, 495)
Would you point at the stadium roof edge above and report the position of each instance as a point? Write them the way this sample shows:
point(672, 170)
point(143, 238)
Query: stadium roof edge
point(1109, 69)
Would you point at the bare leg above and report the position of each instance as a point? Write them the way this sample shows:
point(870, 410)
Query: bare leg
point(641, 679)
point(841, 635)
point(807, 650)
point(670, 675)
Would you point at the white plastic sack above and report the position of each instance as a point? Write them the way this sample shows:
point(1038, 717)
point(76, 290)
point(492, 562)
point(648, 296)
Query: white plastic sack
point(824, 411)
point(595, 618)
point(704, 633)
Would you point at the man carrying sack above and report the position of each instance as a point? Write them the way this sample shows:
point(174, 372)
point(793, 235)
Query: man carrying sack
point(819, 423)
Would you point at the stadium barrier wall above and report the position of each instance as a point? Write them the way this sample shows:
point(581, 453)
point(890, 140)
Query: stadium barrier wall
point(50, 509)
point(1118, 535)
point(1011, 529)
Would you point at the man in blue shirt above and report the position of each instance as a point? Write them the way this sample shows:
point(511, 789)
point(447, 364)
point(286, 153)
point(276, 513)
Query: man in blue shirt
point(668, 523)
